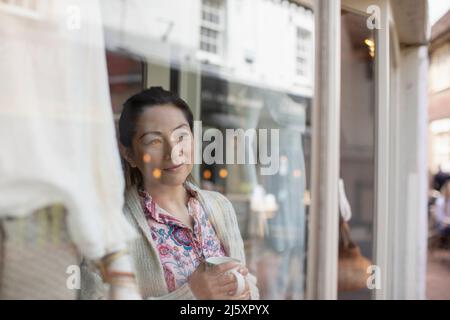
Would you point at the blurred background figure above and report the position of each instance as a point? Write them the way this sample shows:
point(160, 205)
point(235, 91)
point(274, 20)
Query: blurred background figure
point(440, 178)
point(443, 210)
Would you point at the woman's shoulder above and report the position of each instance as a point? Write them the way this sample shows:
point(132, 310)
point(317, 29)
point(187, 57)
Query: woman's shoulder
point(132, 202)
point(219, 206)
point(215, 198)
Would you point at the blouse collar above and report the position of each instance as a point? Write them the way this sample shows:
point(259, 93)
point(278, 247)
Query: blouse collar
point(151, 208)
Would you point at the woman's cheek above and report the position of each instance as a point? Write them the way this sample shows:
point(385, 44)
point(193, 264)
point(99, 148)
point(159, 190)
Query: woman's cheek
point(190, 167)
point(148, 162)
point(188, 152)
point(151, 156)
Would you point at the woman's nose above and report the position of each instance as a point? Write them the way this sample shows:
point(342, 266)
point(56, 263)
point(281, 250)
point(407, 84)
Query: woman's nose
point(172, 147)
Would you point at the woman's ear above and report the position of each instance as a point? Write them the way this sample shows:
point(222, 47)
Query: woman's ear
point(127, 154)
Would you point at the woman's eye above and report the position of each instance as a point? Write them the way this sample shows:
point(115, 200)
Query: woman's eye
point(154, 142)
point(182, 137)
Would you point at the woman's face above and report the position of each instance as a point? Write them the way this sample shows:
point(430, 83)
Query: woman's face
point(162, 146)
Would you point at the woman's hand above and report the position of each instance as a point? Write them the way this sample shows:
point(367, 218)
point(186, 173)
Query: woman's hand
point(244, 272)
point(216, 284)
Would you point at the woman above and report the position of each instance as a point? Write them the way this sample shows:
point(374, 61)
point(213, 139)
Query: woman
point(180, 224)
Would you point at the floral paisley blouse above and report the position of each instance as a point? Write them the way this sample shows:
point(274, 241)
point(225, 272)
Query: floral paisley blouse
point(180, 248)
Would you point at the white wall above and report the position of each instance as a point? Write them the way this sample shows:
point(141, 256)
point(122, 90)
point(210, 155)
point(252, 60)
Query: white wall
point(411, 237)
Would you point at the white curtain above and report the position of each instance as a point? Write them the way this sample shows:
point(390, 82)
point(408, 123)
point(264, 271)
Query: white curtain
point(57, 137)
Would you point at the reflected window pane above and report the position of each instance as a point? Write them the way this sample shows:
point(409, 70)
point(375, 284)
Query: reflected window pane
point(126, 77)
point(357, 161)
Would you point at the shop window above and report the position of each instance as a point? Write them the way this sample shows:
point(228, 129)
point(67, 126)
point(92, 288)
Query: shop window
point(271, 209)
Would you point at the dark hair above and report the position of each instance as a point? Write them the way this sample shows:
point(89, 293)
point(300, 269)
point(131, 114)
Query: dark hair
point(133, 108)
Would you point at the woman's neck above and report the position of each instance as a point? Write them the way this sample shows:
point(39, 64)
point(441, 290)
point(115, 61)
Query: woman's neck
point(167, 196)
point(172, 199)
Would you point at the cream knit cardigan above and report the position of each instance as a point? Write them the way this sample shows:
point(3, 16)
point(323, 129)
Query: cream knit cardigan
point(149, 271)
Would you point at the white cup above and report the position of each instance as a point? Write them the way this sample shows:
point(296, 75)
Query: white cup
point(215, 261)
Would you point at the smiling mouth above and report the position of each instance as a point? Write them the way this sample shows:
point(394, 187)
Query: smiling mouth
point(174, 168)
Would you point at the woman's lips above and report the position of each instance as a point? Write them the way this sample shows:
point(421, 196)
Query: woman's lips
point(174, 168)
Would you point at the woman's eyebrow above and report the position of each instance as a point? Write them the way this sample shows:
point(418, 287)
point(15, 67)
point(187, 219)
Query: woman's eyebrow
point(150, 132)
point(181, 125)
point(159, 132)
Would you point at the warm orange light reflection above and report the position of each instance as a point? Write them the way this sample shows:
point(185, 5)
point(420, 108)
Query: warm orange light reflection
point(207, 174)
point(157, 173)
point(223, 173)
